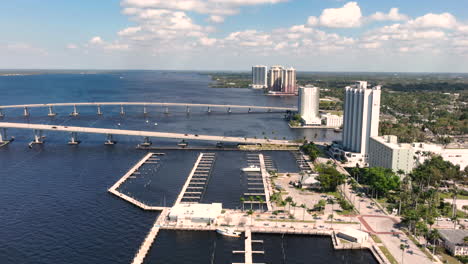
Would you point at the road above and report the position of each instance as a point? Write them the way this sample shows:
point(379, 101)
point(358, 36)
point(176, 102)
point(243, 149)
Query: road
point(151, 134)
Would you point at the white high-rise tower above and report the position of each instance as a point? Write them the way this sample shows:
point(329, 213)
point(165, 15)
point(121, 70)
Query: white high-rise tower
point(308, 103)
point(276, 78)
point(259, 76)
point(361, 117)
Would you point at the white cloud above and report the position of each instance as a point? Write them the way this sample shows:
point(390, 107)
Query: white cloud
point(312, 21)
point(216, 19)
point(129, 31)
point(393, 15)
point(72, 46)
point(444, 20)
point(207, 41)
point(96, 40)
point(348, 16)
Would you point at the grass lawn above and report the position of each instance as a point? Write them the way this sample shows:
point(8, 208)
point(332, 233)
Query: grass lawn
point(376, 238)
point(388, 255)
point(284, 220)
point(449, 196)
point(449, 259)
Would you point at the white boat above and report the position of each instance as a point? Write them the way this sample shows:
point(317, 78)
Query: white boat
point(228, 232)
point(251, 168)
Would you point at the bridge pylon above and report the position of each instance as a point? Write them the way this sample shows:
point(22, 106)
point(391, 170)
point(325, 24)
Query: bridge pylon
point(75, 111)
point(26, 112)
point(146, 142)
point(51, 112)
point(99, 112)
point(122, 112)
point(38, 137)
point(145, 110)
point(73, 139)
point(1, 113)
point(109, 140)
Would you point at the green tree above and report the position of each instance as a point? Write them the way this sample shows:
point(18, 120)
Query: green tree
point(242, 200)
point(329, 177)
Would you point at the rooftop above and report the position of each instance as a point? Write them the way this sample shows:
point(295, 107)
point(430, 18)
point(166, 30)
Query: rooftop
point(455, 236)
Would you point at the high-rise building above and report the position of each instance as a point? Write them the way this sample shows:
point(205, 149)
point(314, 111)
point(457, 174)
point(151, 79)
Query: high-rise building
point(308, 102)
point(386, 152)
point(361, 117)
point(259, 76)
point(276, 78)
point(289, 81)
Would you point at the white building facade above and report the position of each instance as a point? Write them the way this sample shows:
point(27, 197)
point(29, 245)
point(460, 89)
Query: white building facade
point(259, 77)
point(308, 102)
point(361, 117)
point(386, 152)
point(289, 81)
point(275, 83)
point(332, 120)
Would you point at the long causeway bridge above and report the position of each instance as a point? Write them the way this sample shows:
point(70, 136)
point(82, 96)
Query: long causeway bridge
point(144, 105)
point(74, 130)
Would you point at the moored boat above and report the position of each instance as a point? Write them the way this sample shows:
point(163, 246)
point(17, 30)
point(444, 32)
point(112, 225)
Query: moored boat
point(228, 232)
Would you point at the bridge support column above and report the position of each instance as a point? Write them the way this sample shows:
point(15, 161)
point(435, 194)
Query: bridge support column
point(269, 110)
point(1, 113)
point(109, 140)
point(99, 112)
point(166, 111)
point(122, 112)
point(229, 110)
point(3, 135)
point(187, 110)
point(73, 139)
point(209, 110)
point(37, 137)
point(145, 111)
point(146, 142)
point(250, 110)
point(26, 112)
point(51, 112)
point(75, 112)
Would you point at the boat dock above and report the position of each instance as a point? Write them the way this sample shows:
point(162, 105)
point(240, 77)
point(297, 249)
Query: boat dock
point(266, 181)
point(149, 158)
point(196, 182)
point(149, 239)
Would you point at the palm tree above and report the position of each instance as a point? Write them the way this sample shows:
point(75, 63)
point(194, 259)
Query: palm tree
point(289, 200)
point(434, 236)
point(251, 199)
point(250, 212)
point(330, 217)
point(242, 200)
point(261, 203)
point(465, 207)
point(402, 247)
point(303, 206)
point(294, 207)
point(258, 198)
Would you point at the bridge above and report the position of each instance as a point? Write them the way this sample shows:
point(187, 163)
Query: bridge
point(38, 128)
point(145, 106)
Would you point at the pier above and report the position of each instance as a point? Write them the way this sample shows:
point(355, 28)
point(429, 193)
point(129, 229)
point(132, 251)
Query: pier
point(198, 176)
point(266, 181)
point(148, 158)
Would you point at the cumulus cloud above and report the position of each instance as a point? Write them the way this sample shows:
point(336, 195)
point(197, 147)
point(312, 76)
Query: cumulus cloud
point(72, 46)
point(216, 19)
point(393, 15)
point(96, 40)
point(348, 16)
point(444, 20)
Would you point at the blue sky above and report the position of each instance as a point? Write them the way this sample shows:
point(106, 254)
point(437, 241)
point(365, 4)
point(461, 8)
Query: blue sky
point(311, 35)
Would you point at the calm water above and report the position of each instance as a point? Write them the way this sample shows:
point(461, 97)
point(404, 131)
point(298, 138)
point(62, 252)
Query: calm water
point(55, 207)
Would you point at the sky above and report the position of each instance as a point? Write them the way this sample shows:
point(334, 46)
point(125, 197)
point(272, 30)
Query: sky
point(310, 35)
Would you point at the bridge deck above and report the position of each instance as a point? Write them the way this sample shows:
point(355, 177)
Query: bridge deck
point(153, 134)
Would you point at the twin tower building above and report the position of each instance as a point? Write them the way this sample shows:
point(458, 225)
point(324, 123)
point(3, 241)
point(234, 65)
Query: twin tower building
point(278, 80)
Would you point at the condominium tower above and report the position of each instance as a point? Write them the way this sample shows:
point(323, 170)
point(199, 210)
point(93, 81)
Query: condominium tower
point(308, 103)
point(259, 76)
point(276, 78)
point(361, 117)
point(289, 81)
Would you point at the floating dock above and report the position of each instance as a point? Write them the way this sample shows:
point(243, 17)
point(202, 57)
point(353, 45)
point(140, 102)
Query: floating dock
point(149, 158)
